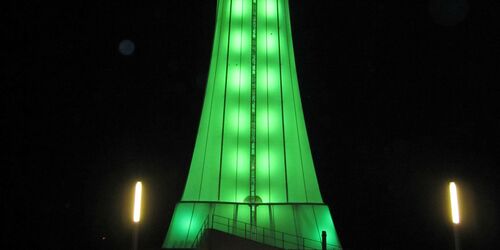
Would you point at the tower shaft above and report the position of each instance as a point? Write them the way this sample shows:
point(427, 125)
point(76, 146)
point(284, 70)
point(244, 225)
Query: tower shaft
point(252, 162)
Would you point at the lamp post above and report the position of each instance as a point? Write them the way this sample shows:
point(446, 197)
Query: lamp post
point(137, 214)
point(455, 214)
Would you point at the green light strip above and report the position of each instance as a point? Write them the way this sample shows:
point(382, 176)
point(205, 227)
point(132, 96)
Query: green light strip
point(253, 117)
point(223, 144)
point(281, 99)
point(240, 8)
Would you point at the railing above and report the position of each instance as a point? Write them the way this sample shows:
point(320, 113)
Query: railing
point(200, 234)
point(259, 234)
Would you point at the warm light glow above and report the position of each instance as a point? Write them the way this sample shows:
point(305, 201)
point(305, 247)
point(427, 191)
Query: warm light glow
point(454, 203)
point(137, 202)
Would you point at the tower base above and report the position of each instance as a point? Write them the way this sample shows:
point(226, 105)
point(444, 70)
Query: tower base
point(282, 225)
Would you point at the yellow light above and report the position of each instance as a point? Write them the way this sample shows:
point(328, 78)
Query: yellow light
point(454, 203)
point(137, 202)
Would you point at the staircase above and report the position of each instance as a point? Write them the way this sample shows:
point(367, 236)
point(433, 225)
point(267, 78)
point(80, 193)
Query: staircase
point(266, 236)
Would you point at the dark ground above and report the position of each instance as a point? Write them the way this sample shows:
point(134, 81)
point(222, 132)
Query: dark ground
point(399, 98)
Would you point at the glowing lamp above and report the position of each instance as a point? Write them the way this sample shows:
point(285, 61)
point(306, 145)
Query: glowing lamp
point(454, 203)
point(137, 202)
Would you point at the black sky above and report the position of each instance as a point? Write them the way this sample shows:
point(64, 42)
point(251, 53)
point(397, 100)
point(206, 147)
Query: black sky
point(399, 98)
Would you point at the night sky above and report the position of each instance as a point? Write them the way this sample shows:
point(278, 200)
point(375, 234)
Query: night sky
point(399, 97)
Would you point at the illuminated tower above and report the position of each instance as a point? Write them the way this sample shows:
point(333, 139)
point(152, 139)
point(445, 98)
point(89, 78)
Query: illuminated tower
point(252, 165)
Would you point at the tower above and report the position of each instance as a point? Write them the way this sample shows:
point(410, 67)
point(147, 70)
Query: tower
point(252, 172)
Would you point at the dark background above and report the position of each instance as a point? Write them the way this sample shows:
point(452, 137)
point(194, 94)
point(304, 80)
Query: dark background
point(400, 97)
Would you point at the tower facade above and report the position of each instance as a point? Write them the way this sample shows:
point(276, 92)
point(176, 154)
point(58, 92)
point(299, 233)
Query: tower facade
point(252, 166)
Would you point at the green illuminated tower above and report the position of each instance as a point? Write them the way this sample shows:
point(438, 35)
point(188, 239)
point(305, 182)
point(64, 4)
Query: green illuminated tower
point(252, 173)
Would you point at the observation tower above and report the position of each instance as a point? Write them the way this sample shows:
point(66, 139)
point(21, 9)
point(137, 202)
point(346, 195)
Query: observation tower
point(252, 173)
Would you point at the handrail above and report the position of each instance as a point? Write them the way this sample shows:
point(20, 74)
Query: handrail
point(199, 235)
point(259, 234)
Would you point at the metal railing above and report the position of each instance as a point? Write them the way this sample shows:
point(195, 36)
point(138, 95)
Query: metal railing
point(200, 234)
point(263, 235)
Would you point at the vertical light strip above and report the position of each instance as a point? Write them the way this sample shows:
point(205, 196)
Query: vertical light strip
point(454, 203)
point(225, 98)
point(253, 106)
point(281, 97)
point(239, 107)
point(295, 101)
point(193, 188)
point(137, 202)
point(267, 105)
point(262, 145)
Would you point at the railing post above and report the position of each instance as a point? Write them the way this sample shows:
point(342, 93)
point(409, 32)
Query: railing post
point(228, 223)
point(283, 239)
point(323, 240)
